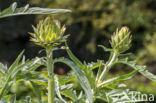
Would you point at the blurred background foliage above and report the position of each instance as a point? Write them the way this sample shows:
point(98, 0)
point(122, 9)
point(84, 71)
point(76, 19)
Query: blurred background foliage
point(91, 22)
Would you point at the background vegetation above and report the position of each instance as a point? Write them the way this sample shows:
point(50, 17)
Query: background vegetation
point(91, 22)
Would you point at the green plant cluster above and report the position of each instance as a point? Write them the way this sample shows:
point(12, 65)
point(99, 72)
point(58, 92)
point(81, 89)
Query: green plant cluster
point(93, 86)
point(93, 22)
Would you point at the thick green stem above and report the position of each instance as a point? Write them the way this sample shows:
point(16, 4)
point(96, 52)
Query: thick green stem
point(50, 69)
point(107, 67)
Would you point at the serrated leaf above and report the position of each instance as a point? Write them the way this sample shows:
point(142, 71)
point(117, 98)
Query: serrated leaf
point(13, 11)
point(141, 69)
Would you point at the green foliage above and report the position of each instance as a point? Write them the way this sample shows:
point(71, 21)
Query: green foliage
point(80, 76)
point(13, 11)
point(110, 89)
point(141, 69)
point(9, 76)
point(94, 85)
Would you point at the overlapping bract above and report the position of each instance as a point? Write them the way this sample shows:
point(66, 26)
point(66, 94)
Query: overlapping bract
point(121, 40)
point(48, 33)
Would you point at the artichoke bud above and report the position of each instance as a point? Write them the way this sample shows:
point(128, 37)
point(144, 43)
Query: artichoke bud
point(121, 40)
point(48, 33)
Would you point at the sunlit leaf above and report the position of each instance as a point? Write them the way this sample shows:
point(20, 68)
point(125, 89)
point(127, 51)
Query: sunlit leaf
point(80, 76)
point(57, 89)
point(119, 78)
point(141, 69)
point(13, 11)
point(72, 56)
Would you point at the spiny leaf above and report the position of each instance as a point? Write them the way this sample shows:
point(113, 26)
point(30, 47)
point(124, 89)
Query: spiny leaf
point(141, 69)
point(13, 11)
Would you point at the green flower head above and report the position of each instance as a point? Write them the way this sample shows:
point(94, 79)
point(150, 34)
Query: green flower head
point(121, 40)
point(48, 33)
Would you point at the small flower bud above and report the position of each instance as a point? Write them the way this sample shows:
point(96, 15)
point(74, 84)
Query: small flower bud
point(48, 33)
point(121, 40)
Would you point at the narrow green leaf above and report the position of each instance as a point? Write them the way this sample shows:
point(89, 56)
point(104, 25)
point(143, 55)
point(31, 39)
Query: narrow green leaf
point(73, 57)
point(12, 72)
point(57, 89)
point(87, 69)
point(119, 78)
point(12, 67)
point(80, 76)
point(5, 85)
point(105, 48)
point(141, 69)
point(13, 11)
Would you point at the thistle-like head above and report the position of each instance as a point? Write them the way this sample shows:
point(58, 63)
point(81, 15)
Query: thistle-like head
point(121, 40)
point(48, 33)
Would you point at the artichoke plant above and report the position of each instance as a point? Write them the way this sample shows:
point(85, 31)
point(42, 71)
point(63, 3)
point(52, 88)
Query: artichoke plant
point(48, 33)
point(121, 40)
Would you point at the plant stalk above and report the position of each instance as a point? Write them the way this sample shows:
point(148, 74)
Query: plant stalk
point(107, 67)
point(50, 69)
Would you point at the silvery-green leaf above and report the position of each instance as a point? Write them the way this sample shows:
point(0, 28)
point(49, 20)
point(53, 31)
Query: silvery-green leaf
point(26, 10)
